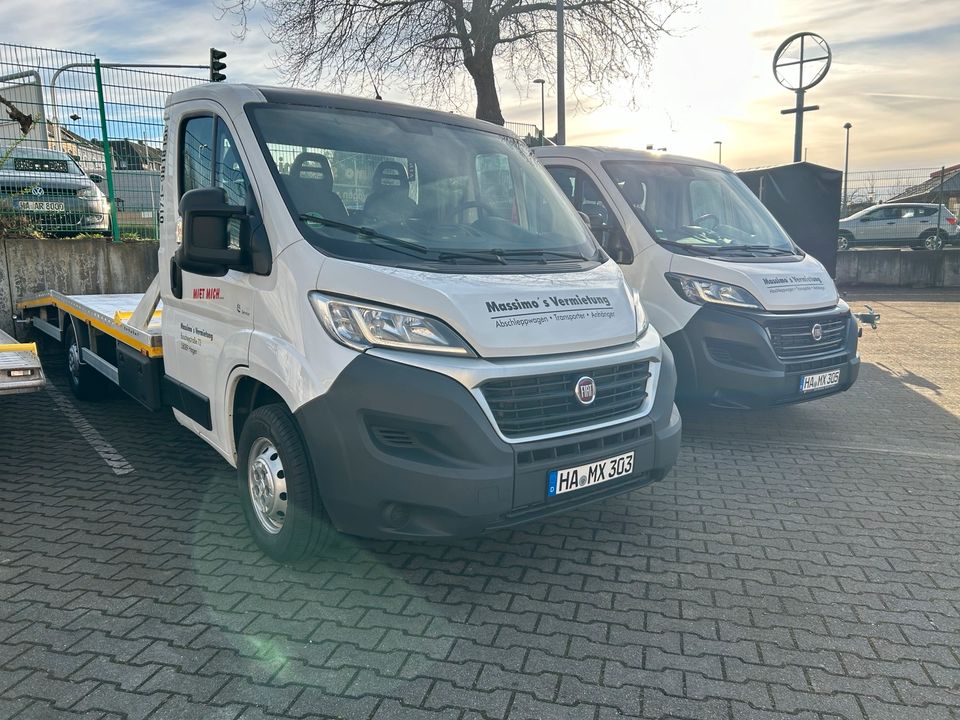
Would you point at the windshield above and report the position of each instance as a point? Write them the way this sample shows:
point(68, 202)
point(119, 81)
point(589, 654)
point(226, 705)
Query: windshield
point(699, 210)
point(404, 191)
point(39, 161)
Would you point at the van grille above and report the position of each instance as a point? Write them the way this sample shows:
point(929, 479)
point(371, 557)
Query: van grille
point(793, 338)
point(533, 405)
point(25, 192)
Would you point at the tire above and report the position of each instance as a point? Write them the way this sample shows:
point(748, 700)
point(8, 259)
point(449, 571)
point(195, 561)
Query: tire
point(932, 241)
point(844, 241)
point(85, 382)
point(277, 489)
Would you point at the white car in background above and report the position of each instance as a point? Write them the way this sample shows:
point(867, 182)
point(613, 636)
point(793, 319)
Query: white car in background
point(913, 224)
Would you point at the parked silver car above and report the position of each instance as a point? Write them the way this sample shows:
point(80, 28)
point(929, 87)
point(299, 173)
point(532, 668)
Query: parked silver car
point(913, 224)
point(51, 192)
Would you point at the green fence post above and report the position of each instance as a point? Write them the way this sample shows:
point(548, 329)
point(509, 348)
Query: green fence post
point(114, 227)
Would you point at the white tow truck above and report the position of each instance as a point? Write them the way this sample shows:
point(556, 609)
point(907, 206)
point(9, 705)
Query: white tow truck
point(388, 319)
point(20, 369)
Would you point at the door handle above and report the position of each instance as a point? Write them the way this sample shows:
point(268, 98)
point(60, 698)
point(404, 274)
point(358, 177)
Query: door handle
point(892, 222)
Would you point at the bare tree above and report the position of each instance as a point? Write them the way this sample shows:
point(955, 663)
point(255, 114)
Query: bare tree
point(426, 44)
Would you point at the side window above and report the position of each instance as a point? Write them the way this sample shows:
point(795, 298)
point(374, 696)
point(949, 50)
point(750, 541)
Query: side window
point(587, 198)
point(196, 154)
point(705, 199)
point(495, 185)
point(566, 178)
point(908, 212)
point(228, 171)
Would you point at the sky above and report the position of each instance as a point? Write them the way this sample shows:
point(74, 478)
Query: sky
point(893, 75)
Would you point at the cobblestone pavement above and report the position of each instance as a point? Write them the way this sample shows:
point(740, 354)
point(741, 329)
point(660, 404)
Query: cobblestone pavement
point(798, 563)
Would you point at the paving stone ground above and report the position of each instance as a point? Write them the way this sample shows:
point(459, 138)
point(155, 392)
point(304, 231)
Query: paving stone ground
point(798, 563)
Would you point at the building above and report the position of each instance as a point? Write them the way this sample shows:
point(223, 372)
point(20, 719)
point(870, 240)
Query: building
point(135, 155)
point(930, 191)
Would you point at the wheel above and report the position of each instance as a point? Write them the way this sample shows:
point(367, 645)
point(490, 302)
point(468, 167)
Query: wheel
point(278, 493)
point(85, 382)
point(933, 241)
point(843, 242)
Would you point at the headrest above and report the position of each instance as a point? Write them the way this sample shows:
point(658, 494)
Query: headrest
point(317, 169)
point(391, 175)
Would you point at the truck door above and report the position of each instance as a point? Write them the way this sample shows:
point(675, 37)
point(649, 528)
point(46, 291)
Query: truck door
point(207, 316)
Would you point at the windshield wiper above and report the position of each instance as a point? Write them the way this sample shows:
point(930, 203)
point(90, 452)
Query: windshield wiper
point(543, 253)
point(701, 249)
point(756, 248)
point(390, 240)
point(482, 255)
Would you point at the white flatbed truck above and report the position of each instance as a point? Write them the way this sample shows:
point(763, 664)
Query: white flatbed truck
point(20, 368)
point(388, 319)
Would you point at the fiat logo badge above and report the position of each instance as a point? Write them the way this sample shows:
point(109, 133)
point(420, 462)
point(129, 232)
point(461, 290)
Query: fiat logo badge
point(816, 332)
point(585, 390)
point(37, 190)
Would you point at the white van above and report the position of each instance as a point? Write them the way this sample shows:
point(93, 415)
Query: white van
point(751, 319)
point(388, 319)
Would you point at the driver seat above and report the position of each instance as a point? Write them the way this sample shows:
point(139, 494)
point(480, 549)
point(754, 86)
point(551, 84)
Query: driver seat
point(390, 198)
point(310, 184)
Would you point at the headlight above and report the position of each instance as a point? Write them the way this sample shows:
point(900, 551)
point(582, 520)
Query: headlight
point(702, 291)
point(642, 322)
point(361, 326)
point(90, 192)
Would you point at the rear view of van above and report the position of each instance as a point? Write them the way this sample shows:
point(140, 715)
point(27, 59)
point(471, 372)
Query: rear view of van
point(752, 320)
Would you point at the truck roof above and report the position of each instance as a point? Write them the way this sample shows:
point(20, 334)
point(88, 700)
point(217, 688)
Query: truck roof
point(599, 153)
point(233, 96)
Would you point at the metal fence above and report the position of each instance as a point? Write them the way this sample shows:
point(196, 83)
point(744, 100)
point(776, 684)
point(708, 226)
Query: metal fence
point(81, 142)
point(528, 132)
point(929, 185)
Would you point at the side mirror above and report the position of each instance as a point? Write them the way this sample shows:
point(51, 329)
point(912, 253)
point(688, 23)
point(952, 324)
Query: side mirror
point(95, 177)
point(206, 238)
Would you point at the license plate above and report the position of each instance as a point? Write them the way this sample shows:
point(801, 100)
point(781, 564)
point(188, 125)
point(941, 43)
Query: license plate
point(575, 478)
point(41, 206)
point(810, 383)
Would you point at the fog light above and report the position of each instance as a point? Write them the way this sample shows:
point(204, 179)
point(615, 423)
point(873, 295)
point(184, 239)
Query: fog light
point(92, 219)
point(21, 373)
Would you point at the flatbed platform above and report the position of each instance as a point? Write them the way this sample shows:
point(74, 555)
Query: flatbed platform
point(107, 313)
point(20, 369)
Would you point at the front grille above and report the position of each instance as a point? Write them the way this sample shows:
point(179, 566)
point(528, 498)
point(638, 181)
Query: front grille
point(533, 405)
point(26, 192)
point(793, 337)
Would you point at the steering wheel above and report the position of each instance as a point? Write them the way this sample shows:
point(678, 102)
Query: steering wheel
point(482, 209)
point(708, 221)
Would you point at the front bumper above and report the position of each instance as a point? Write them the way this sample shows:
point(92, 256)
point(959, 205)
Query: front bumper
point(79, 215)
point(399, 451)
point(727, 358)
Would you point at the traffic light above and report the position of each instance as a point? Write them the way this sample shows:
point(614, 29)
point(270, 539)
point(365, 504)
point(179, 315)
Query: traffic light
point(216, 65)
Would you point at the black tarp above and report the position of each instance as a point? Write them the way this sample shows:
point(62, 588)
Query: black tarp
point(805, 200)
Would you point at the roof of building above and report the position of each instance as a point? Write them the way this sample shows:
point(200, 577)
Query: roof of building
point(951, 183)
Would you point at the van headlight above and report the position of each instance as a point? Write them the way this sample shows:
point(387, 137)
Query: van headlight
point(642, 322)
point(702, 291)
point(361, 326)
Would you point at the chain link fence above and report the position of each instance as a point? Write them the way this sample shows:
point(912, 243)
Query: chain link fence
point(81, 142)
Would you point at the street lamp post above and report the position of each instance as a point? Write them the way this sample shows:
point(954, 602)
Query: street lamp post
point(719, 144)
point(846, 164)
point(543, 112)
point(561, 92)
